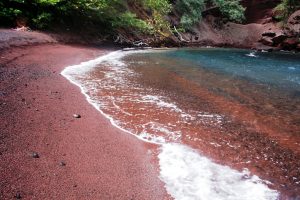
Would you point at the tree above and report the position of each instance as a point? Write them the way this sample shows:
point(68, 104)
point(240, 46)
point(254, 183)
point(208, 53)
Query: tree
point(191, 12)
point(232, 10)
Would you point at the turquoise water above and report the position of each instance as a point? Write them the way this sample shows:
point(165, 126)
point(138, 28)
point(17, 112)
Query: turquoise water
point(267, 83)
point(280, 68)
point(247, 100)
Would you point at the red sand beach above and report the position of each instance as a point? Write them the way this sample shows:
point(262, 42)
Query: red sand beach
point(84, 158)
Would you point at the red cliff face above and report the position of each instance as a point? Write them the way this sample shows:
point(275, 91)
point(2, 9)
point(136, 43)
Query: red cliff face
point(259, 10)
point(259, 31)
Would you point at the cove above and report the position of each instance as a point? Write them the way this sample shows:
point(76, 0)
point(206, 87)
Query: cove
point(218, 108)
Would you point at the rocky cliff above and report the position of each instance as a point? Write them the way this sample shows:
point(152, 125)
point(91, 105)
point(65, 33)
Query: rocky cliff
point(260, 30)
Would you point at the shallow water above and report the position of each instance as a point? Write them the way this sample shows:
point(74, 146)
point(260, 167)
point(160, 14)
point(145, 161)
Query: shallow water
point(237, 107)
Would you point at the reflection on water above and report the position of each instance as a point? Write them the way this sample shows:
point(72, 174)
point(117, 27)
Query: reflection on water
point(240, 108)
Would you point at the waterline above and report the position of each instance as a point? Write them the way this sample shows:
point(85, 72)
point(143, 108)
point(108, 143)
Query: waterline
point(186, 173)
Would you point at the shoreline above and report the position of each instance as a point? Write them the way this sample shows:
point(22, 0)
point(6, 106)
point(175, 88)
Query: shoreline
point(90, 101)
point(31, 89)
point(115, 60)
point(43, 65)
point(74, 71)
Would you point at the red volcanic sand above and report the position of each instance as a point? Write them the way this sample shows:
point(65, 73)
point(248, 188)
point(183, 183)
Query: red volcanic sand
point(36, 113)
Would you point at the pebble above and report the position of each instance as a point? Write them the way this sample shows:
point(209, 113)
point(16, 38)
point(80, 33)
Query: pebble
point(76, 116)
point(35, 155)
point(62, 163)
point(18, 195)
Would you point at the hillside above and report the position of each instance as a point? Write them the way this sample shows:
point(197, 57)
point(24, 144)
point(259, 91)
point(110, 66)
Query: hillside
point(265, 25)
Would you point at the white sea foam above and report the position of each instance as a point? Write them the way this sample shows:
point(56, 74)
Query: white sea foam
point(191, 176)
point(252, 54)
point(187, 174)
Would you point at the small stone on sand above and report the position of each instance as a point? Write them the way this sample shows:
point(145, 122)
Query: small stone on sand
point(62, 163)
point(18, 195)
point(35, 155)
point(76, 116)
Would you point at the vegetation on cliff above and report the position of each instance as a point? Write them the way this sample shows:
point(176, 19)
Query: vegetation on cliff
point(285, 9)
point(118, 18)
point(112, 15)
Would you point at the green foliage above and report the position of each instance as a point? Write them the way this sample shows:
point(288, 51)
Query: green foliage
point(108, 14)
point(232, 9)
point(47, 2)
point(158, 21)
point(161, 6)
point(42, 21)
point(190, 11)
point(129, 20)
point(111, 15)
point(285, 9)
point(9, 12)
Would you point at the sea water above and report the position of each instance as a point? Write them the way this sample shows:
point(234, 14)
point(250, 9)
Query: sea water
point(200, 103)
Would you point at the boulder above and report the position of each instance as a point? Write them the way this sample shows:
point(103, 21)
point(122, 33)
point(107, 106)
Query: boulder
point(280, 37)
point(294, 23)
point(266, 41)
point(290, 43)
point(268, 34)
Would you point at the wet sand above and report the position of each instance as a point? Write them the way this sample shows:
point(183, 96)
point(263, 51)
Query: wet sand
point(36, 113)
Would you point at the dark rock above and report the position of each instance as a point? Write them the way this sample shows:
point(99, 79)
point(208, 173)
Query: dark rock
point(269, 34)
point(290, 43)
point(18, 195)
point(35, 155)
point(266, 41)
point(62, 163)
point(279, 38)
point(2, 93)
point(77, 116)
point(294, 23)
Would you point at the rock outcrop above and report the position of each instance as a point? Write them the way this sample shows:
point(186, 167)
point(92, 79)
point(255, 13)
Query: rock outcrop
point(294, 24)
point(259, 31)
